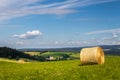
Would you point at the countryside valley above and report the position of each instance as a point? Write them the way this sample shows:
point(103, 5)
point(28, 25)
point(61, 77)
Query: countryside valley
point(59, 39)
point(52, 64)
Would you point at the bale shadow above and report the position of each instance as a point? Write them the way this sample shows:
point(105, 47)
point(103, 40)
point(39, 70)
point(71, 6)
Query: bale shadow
point(90, 64)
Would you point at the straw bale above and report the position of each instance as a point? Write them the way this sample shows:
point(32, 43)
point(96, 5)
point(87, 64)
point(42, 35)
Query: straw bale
point(21, 61)
point(94, 55)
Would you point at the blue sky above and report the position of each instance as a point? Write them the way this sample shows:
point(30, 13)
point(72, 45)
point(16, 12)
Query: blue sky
point(59, 23)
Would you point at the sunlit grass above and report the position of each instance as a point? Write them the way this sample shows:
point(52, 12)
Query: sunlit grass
point(7, 60)
point(33, 53)
point(61, 70)
point(75, 55)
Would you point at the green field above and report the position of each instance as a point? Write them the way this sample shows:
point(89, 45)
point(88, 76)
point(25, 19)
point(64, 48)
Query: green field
point(61, 70)
point(54, 53)
point(66, 55)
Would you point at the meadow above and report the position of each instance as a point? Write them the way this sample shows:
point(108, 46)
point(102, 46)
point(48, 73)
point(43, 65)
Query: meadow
point(61, 70)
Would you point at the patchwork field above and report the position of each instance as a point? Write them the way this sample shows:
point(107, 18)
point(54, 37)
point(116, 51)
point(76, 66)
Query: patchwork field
point(65, 55)
point(61, 70)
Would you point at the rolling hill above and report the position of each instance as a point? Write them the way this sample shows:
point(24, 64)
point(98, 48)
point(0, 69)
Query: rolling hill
point(108, 49)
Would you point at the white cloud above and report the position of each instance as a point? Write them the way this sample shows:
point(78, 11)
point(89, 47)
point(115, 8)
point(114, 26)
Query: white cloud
point(11, 43)
point(19, 43)
point(112, 31)
point(28, 35)
point(16, 8)
point(115, 35)
point(105, 39)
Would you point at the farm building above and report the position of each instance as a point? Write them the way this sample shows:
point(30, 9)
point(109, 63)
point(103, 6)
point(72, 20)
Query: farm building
point(50, 58)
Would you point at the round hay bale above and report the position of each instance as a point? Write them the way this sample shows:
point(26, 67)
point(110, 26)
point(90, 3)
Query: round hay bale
point(21, 61)
point(94, 55)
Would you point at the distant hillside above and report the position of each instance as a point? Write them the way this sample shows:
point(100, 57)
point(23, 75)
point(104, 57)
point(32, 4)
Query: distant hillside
point(108, 49)
point(76, 49)
point(112, 49)
point(12, 53)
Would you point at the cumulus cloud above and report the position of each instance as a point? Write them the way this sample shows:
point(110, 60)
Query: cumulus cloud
point(28, 35)
point(16, 8)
